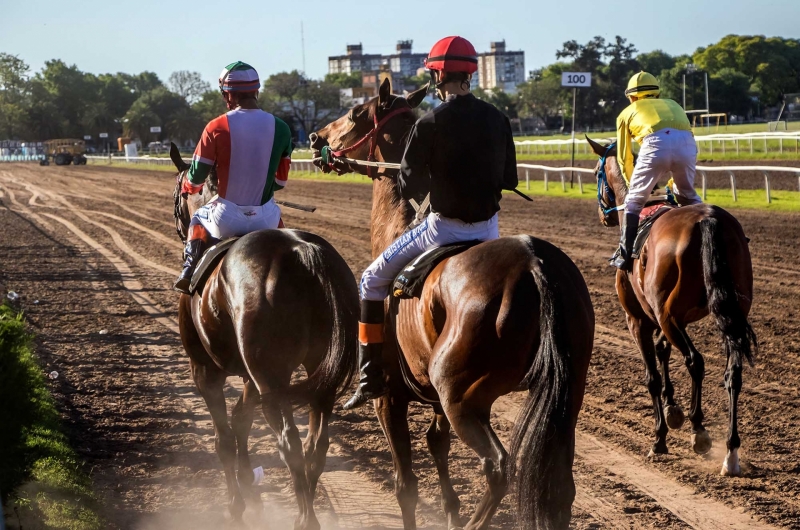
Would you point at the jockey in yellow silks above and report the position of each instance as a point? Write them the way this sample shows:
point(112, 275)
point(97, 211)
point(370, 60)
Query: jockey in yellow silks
point(662, 129)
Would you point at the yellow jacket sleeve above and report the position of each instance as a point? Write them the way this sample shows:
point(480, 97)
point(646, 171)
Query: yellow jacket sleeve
point(624, 146)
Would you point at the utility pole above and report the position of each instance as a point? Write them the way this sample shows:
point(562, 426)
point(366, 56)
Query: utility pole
point(303, 46)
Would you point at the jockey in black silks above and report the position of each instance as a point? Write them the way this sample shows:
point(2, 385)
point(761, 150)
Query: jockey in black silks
point(462, 153)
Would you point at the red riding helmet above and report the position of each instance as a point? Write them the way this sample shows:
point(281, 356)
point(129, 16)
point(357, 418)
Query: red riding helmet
point(453, 54)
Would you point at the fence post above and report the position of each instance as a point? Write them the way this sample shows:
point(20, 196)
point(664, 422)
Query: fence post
point(723, 146)
point(766, 185)
point(765, 144)
point(737, 146)
point(711, 143)
point(546, 183)
point(781, 143)
point(563, 182)
point(580, 182)
point(751, 145)
point(733, 185)
point(703, 173)
point(527, 179)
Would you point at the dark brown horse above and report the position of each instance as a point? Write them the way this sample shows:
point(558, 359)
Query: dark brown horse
point(279, 299)
point(696, 262)
point(506, 315)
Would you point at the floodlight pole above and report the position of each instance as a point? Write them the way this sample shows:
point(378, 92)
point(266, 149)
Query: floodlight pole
point(574, 108)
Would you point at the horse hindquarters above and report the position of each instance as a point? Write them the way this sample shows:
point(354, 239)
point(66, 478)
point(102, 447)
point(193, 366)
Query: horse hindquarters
point(728, 279)
point(543, 440)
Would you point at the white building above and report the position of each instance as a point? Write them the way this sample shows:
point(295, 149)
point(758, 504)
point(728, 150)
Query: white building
point(499, 69)
point(404, 62)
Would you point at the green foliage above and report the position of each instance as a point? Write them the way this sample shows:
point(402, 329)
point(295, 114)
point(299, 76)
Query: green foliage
point(301, 102)
point(36, 463)
point(209, 106)
point(343, 80)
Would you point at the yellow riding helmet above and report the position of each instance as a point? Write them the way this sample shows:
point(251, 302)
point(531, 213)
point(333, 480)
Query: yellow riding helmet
point(643, 85)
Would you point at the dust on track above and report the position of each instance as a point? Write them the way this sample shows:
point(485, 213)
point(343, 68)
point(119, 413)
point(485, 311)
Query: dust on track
point(167, 472)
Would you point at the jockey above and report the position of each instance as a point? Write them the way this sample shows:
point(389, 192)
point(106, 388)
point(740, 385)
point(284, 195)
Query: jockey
point(462, 153)
point(662, 129)
point(251, 151)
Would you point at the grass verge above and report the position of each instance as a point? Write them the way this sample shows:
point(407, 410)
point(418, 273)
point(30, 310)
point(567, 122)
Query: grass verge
point(41, 478)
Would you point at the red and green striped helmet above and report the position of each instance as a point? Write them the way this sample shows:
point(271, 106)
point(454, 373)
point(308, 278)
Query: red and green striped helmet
point(239, 77)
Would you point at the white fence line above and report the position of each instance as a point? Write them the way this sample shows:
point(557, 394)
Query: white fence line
point(747, 141)
point(308, 165)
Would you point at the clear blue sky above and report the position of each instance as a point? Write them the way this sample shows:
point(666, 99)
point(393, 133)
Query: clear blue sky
point(204, 35)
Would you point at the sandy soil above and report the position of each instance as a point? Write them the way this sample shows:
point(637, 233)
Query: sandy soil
point(92, 252)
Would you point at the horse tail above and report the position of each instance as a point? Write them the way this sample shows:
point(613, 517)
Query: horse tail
point(543, 439)
point(739, 339)
point(336, 370)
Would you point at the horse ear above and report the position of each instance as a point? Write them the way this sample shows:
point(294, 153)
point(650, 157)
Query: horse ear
point(598, 149)
point(416, 97)
point(384, 92)
point(175, 155)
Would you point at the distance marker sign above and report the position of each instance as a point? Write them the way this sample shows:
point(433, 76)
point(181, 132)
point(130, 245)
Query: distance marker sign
point(576, 79)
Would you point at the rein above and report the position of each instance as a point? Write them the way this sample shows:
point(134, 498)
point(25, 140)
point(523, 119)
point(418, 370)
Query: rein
point(176, 196)
point(329, 156)
point(603, 186)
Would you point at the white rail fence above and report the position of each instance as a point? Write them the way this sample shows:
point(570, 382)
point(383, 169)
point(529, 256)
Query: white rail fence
point(562, 172)
point(723, 143)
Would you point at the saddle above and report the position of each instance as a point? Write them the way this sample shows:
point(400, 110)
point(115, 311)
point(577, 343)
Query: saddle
point(647, 218)
point(208, 263)
point(411, 280)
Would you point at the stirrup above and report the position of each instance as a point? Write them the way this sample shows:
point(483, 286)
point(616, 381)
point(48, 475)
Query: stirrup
point(361, 397)
point(182, 285)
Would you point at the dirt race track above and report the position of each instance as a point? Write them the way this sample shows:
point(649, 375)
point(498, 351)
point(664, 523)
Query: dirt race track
point(93, 252)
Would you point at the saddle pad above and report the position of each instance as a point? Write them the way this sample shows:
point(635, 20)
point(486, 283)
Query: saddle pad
point(411, 280)
point(208, 263)
point(647, 218)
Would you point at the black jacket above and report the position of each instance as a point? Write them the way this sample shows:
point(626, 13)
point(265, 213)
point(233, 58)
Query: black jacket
point(462, 152)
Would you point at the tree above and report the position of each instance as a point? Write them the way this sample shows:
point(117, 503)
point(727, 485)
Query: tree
point(655, 62)
point(343, 80)
point(209, 106)
point(504, 102)
point(189, 85)
point(307, 103)
point(542, 98)
point(13, 95)
point(138, 120)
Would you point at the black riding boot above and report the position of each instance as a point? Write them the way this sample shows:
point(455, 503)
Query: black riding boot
point(372, 383)
point(622, 257)
point(193, 251)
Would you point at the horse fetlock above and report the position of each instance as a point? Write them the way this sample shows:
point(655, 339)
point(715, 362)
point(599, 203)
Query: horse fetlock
point(730, 466)
point(236, 506)
point(701, 442)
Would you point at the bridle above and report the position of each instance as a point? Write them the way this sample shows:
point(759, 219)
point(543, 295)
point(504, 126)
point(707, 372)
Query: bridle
point(603, 187)
point(329, 156)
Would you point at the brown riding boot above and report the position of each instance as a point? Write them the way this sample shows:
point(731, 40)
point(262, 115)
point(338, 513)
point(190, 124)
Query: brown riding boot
point(372, 383)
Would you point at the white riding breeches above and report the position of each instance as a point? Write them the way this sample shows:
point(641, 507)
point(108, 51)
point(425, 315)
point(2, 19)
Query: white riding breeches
point(435, 231)
point(663, 152)
point(223, 219)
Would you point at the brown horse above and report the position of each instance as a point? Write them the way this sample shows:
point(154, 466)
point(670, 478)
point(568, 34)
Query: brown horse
point(696, 262)
point(279, 299)
point(506, 315)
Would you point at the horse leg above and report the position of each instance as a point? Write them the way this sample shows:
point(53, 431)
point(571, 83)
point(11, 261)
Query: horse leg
point(315, 446)
point(241, 422)
point(701, 441)
point(392, 414)
point(672, 411)
point(210, 381)
point(473, 427)
point(642, 333)
point(733, 384)
point(438, 437)
point(279, 416)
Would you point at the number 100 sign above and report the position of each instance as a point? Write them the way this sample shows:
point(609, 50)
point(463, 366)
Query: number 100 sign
point(576, 79)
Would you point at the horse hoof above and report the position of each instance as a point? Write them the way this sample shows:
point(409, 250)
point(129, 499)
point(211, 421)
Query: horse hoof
point(236, 508)
point(701, 442)
point(655, 450)
point(675, 417)
point(730, 466)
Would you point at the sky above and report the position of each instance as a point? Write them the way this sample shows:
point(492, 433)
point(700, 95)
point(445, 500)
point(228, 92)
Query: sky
point(203, 35)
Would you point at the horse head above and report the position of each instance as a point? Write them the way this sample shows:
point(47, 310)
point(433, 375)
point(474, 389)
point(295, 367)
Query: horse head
point(185, 204)
point(611, 187)
point(384, 140)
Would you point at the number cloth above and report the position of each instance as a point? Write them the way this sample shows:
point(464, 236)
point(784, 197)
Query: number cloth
point(252, 153)
point(642, 118)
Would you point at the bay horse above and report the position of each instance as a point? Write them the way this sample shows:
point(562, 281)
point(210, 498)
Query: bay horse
point(278, 300)
point(695, 263)
point(505, 315)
